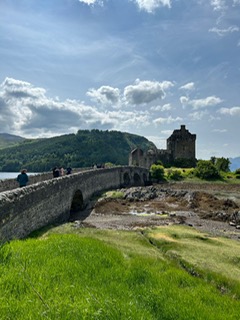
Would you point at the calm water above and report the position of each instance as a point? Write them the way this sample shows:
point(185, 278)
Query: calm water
point(12, 175)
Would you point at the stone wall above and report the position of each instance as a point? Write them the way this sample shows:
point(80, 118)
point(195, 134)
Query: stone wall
point(9, 184)
point(24, 210)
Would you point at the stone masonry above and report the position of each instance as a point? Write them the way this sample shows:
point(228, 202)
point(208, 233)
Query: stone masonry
point(180, 145)
point(24, 210)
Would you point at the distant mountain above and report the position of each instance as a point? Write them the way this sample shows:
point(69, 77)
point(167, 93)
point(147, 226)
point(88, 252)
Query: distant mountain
point(7, 140)
point(83, 149)
point(235, 163)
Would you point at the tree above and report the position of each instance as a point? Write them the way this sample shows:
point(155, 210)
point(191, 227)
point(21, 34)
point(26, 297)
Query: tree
point(11, 165)
point(222, 164)
point(206, 170)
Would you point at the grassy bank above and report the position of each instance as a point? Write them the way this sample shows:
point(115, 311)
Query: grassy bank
point(162, 273)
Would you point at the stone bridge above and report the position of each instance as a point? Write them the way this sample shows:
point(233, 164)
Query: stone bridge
point(24, 210)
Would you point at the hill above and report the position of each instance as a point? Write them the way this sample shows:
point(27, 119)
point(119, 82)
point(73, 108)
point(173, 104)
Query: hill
point(7, 140)
point(76, 150)
point(235, 163)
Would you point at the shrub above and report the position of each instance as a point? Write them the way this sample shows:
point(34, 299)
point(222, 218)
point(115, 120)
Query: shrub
point(157, 172)
point(175, 175)
point(206, 170)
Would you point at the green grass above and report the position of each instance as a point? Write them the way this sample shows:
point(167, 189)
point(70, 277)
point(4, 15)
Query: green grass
point(69, 273)
point(113, 194)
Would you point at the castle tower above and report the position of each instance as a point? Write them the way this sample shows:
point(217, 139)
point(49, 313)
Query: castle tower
point(181, 144)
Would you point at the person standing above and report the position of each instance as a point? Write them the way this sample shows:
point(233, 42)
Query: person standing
point(62, 172)
point(56, 172)
point(69, 170)
point(22, 178)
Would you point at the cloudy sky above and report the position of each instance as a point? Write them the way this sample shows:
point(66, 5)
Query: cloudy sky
point(140, 66)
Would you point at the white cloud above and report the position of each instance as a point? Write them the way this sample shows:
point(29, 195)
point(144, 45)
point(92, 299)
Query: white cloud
point(105, 95)
point(234, 111)
point(220, 130)
point(151, 5)
point(124, 120)
point(26, 110)
point(167, 120)
point(167, 132)
point(218, 5)
point(198, 115)
point(223, 32)
point(12, 88)
point(188, 86)
point(146, 91)
point(165, 107)
point(160, 143)
point(141, 92)
point(91, 2)
point(200, 103)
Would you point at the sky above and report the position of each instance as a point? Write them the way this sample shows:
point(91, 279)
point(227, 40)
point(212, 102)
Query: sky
point(140, 66)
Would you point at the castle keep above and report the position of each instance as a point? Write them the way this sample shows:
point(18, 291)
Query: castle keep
point(180, 147)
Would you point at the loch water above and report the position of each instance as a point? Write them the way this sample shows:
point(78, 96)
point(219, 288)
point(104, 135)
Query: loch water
point(12, 175)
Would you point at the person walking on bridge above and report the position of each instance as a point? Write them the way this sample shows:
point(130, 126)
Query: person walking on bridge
point(22, 178)
point(56, 172)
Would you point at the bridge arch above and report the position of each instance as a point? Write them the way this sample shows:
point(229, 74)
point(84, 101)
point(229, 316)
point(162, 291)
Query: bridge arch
point(77, 203)
point(126, 179)
point(136, 179)
point(23, 210)
point(145, 178)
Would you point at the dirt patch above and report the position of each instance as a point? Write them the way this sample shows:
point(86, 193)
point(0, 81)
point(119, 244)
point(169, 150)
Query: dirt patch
point(155, 206)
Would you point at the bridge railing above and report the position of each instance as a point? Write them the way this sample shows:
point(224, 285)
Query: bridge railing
point(10, 184)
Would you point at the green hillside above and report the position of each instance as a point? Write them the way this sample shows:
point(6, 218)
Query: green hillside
point(76, 150)
point(7, 140)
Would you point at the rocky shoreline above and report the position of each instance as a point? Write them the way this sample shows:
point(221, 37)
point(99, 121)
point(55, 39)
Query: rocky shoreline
point(212, 211)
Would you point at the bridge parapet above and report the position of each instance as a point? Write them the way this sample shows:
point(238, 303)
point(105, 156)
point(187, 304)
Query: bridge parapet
point(24, 210)
point(10, 184)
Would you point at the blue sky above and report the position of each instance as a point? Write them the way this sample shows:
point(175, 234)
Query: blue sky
point(139, 66)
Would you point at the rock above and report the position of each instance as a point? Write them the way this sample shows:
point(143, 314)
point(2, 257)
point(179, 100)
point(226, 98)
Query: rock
point(172, 214)
point(222, 216)
point(235, 217)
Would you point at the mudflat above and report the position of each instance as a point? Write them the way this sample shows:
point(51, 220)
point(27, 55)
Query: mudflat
point(212, 208)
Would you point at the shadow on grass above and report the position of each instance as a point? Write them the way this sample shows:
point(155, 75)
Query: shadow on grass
point(40, 232)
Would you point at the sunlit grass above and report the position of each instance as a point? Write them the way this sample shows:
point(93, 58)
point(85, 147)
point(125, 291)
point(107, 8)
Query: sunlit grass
point(113, 194)
point(70, 273)
point(204, 253)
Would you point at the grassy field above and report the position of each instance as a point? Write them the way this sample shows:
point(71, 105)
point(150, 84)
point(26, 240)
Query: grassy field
point(171, 272)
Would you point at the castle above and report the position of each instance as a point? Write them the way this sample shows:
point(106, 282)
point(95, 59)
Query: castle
point(180, 151)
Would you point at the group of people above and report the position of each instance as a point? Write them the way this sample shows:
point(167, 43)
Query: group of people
point(59, 172)
point(22, 178)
